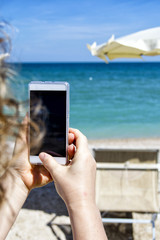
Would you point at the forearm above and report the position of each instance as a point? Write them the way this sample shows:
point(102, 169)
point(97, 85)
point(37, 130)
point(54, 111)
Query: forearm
point(13, 197)
point(86, 222)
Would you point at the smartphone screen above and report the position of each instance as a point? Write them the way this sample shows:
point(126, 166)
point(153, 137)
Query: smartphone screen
point(53, 114)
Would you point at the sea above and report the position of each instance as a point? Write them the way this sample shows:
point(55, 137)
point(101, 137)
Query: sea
point(115, 100)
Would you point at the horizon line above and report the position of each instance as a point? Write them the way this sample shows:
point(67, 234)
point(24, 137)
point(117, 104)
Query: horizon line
point(76, 62)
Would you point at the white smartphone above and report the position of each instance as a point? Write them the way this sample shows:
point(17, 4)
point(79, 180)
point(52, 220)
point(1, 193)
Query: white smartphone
point(54, 97)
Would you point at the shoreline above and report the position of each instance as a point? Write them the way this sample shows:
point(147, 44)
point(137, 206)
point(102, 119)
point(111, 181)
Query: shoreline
point(125, 142)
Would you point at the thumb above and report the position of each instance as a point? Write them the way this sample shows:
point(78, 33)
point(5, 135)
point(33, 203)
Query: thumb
point(49, 163)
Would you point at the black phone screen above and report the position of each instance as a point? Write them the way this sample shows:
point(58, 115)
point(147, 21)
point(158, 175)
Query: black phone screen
point(53, 113)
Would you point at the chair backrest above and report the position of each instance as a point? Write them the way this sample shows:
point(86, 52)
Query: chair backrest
point(123, 183)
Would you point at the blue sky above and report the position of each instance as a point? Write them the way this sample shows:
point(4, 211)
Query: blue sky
point(58, 30)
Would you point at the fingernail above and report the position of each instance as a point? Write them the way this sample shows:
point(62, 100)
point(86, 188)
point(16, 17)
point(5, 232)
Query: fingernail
point(42, 155)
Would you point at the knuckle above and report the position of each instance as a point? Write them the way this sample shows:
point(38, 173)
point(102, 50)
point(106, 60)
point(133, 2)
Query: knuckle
point(76, 130)
point(94, 165)
point(91, 160)
point(85, 139)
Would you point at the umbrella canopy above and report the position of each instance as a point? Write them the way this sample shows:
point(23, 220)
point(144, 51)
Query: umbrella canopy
point(135, 45)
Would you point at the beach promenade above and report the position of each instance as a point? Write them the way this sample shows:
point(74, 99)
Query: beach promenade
point(44, 206)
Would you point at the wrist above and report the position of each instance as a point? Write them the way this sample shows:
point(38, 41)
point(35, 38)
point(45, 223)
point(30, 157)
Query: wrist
point(13, 195)
point(81, 205)
point(86, 221)
point(80, 198)
point(12, 182)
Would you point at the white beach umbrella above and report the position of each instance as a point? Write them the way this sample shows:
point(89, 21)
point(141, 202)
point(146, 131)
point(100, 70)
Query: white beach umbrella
point(146, 43)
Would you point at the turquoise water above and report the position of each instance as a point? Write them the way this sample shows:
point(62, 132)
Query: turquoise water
point(115, 100)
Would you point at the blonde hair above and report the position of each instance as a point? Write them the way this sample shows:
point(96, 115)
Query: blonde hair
point(8, 124)
point(10, 119)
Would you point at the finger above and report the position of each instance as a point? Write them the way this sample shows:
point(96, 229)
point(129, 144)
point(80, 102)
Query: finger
point(71, 138)
point(80, 139)
point(50, 164)
point(42, 174)
point(71, 151)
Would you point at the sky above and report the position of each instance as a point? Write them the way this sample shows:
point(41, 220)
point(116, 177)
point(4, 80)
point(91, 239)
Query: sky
point(58, 30)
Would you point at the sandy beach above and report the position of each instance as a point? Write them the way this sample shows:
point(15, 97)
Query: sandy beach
point(124, 143)
point(44, 207)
